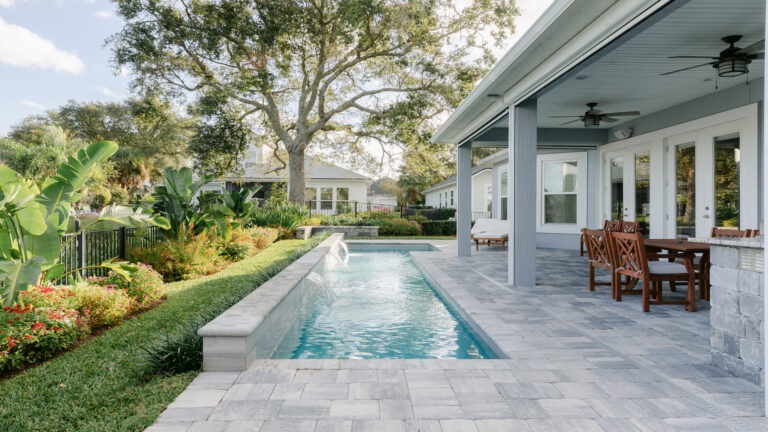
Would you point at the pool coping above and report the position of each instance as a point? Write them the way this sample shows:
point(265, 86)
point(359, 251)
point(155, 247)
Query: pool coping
point(249, 330)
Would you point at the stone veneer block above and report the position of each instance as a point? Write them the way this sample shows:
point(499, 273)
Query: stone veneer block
point(738, 312)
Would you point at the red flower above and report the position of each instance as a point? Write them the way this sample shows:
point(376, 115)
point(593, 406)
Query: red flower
point(38, 325)
point(27, 337)
point(11, 341)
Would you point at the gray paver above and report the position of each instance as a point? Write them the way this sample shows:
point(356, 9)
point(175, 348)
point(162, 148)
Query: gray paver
point(577, 361)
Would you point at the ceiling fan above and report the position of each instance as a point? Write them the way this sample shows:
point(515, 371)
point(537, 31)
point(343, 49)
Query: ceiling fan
point(592, 117)
point(731, 61)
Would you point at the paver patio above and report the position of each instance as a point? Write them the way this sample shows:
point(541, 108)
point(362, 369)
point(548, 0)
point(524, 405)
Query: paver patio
point(578, 361)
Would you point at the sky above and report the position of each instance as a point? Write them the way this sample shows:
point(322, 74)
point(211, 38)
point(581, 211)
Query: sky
point(53, 51)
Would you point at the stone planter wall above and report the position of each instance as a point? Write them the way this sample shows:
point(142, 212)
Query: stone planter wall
point(305, 232)
point(737, 315)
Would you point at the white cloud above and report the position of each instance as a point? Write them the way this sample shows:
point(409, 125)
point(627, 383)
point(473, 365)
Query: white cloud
point(21, 47)
point(32, 104)
point(6, 3)
point(108, 92)
point(103, 14)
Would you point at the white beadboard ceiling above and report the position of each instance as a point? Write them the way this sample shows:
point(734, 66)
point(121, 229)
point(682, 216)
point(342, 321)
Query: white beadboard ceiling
point(628, 78)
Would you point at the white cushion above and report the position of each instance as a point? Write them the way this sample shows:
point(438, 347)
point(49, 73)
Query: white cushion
point(491, 235)
point(490, 228)
point(666, 267)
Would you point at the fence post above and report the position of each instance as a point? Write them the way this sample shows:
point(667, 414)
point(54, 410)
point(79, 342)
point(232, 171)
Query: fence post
point(82, 254)
point(121, 245)
point(355, 208)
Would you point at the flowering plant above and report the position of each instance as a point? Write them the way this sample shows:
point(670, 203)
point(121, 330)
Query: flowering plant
point(29, 335)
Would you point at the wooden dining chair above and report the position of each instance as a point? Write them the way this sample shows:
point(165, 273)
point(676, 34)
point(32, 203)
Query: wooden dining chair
point(598, 254)
point(729, 232)
point(631, 260)
point(754, 233)
point(608, 225)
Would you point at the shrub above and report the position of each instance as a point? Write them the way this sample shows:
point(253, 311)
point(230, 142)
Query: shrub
point(180, 260)
point(102, 306)
point(233, 251)
point(418, 218)
point(145, 286)
point(286, 216)
point(397, 227)
point(49, 297)
point(29, 335)
point(439, 228)
point(263, 237)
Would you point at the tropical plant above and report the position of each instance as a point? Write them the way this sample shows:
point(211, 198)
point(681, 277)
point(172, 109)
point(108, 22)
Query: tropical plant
point(33, 220)
point(175, 200)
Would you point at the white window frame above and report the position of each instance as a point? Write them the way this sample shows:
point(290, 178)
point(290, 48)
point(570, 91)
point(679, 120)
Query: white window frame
point(581, 192)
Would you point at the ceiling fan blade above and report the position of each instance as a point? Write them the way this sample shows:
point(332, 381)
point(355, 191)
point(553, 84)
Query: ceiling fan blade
point(686, 56)
point(759, 56)
point(572, 121)
point(688, 68)
point(608, 119)
point(624, 113)
point(755, 48)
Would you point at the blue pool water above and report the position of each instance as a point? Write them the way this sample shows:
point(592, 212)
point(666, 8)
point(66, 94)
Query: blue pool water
point(377, 305)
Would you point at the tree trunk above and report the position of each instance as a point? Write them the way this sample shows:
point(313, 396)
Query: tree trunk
point(296, 175)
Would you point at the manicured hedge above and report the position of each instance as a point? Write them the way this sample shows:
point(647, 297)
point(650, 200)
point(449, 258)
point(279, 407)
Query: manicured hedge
point(103, 385)
point(436, 228)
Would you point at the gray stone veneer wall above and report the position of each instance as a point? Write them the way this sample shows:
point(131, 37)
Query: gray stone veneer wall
point(737, 314)
point(305, 232)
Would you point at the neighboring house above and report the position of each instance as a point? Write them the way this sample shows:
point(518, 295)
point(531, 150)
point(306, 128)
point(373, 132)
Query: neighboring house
point(679, 152)
point(328, 189)
point(443, 194)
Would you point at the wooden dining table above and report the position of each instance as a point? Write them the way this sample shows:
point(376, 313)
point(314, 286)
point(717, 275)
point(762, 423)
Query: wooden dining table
point(687, 249)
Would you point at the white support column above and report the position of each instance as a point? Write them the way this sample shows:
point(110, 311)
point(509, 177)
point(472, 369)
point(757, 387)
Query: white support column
point(522, 195)
point(464, 199)
point(762, 225)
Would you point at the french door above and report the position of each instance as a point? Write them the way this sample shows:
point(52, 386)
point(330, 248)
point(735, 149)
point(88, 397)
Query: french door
point(629, 184)
point(709, 184)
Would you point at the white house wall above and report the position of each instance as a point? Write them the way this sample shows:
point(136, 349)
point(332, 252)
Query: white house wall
point(480, 182)
point(358, 189)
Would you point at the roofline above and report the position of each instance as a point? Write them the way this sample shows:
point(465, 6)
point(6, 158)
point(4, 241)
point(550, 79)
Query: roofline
point(544, 53)
point(452, 180)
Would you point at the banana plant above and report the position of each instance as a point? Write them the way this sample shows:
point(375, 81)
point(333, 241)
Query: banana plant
point(175, 200)
point(33, 220)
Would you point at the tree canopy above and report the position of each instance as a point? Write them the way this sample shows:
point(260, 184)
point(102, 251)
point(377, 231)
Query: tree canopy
point(340, 72)
point(150, 134)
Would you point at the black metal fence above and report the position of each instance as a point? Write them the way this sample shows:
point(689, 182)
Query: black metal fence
point(91, 248)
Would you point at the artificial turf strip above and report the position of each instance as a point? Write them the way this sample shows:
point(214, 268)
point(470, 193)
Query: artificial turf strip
point(102, 385)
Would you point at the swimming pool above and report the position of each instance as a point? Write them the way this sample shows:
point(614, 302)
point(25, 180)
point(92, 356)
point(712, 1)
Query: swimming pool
point(376, 303)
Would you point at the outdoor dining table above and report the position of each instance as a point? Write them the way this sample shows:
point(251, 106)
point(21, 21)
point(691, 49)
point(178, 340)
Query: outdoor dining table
point(687, 249)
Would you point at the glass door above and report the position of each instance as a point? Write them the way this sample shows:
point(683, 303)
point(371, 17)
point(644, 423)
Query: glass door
point(707, 186)
point(629, 187)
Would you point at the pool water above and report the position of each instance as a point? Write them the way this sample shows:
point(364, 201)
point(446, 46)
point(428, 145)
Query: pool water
point(377, 305)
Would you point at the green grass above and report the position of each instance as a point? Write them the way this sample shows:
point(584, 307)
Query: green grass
point(400, 238)
point(102, 385)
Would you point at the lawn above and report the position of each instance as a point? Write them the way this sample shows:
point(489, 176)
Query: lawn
point(103, 385)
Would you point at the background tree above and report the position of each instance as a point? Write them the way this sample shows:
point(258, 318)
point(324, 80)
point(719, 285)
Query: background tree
point(309, 71)
point(150, 134)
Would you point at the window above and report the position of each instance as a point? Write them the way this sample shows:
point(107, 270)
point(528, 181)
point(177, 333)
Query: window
point(451, 198)
point(326, 198)
point(440, 199)
point(559, 179)
point(342, 194)
point(562, 192)
point(503, 193)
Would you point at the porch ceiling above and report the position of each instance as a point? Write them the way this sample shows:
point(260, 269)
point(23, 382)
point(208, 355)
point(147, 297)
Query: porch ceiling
point(627, 76)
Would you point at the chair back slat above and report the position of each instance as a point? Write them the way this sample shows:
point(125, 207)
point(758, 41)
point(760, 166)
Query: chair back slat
point(612, 225)
point(629, 254)
point(630, 227)
point(597, 246)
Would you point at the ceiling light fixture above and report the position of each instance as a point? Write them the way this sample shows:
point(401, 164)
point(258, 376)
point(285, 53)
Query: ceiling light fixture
point(591, 121)
point(732, 67)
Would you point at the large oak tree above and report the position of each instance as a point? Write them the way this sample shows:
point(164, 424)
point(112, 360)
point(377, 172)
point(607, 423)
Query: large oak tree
point(308, 71)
